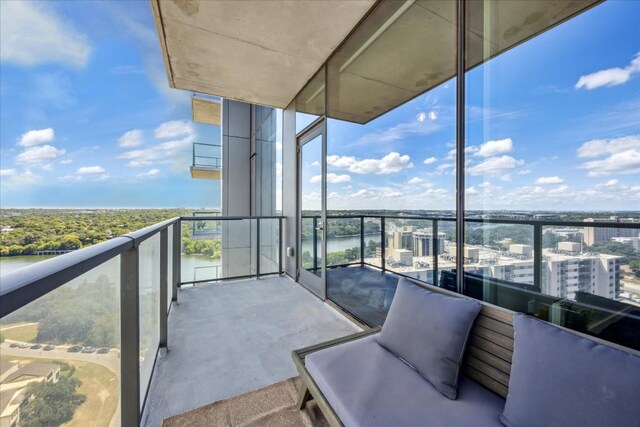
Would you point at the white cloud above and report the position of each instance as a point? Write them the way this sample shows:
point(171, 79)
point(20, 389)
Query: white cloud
point(399, 132)
point(176, 152)
point(66, 161)
point(611, 182)
point(149, 173)
point(13, 179)
point(621, 156)
point(493, 148)
point(445, 166)
point(601, 147)
point(391, 163)
point(39, 154)
point(332, 178)
point(524, 172)
point(174, 129)
point(36, 137)
point(429, 160)
point(421, 117)
point(132, 138)
point(32, 34)
point(433, 115)
point(415, 180)
point(620, 163)
point(549, 180)
point(610, 77)
point(90, 170)
point(495, 165)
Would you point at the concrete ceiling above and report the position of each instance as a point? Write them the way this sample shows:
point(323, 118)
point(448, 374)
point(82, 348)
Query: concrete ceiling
point(255, 51)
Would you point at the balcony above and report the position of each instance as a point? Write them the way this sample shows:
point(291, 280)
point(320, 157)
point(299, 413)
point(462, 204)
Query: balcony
point(206, 161)
point(192, 319)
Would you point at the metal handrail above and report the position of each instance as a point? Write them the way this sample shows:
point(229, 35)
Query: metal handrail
point(538, 226)
point(217, 159)
point(25, 285)
point(228, 218)
point(532, 222)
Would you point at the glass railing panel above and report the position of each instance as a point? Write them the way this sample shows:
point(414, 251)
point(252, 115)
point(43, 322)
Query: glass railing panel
point(65, 344)
point(372, 242)
point(218, 249)
point(149, 308)
point(169, 283)
point(499, 265)
point(592, 277)
point(269, 246)
point(409, 247)
point(343, 241)
point(201, 250)
point(446, 263)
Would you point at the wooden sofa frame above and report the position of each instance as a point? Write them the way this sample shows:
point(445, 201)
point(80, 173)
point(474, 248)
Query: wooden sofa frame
point(487, 357)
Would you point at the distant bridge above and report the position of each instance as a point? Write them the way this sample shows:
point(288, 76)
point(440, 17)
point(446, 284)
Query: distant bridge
point(59, 252)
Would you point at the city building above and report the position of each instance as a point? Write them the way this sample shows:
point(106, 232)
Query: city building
point(593, 235)
point(14, 378)
point(423, 243)
point(634, 242)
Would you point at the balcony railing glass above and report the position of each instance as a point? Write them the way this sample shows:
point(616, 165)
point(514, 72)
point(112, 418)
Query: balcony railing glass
point(99, 314)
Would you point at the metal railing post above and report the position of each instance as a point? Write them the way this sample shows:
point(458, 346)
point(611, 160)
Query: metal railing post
point(257, 247)
point(435, 248)
point(383, 243)
point(362, 241)
point(537, 256)
point(164, 271)
point(129, 338)
point(280, 246)
point(177, 250)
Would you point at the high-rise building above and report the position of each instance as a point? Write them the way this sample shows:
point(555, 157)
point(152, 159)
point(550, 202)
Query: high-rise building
point(593, 235)
point(423, 243)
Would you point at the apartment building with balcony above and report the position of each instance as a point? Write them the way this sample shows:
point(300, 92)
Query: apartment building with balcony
point(305, 258)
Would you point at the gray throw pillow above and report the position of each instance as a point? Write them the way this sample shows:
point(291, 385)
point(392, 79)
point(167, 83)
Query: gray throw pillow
point(559, 378)
point(429, 331)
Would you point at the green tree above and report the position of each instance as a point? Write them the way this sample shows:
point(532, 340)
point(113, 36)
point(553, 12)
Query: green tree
point(51, 404)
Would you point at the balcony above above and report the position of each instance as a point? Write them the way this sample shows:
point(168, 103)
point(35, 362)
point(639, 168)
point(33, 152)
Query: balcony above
point(206, 161)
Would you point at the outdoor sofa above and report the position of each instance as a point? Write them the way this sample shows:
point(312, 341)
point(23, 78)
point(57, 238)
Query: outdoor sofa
point(442, 359)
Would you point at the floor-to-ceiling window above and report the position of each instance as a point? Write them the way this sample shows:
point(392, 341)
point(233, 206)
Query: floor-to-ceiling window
point(553, 136)
point(551, 155)
point(390, 154)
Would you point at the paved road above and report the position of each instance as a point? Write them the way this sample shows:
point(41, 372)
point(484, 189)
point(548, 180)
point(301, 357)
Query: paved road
point(111, 361)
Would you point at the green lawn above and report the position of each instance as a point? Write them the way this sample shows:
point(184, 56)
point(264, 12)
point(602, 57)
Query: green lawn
point(101, 387)
point(19, 331)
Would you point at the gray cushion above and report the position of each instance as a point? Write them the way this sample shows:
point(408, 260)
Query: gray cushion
point(429, 331)
point(368, 386)
point(561, 379)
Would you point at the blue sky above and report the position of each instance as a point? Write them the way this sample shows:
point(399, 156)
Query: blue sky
point(87, 119)
point(552, 124)
point(87, 116)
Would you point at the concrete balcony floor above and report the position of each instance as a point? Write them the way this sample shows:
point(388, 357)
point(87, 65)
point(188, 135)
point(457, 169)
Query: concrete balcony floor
point(229, 338)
